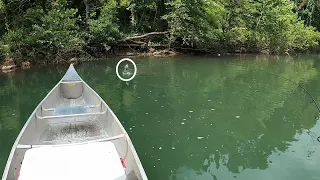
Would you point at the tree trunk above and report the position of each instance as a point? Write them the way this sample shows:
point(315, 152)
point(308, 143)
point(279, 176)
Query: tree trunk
point(118, 3)
point(146, 35)
point(87, 10)
point(6, 19)
point(133, 18)
point(161, 12)
point(303, 5)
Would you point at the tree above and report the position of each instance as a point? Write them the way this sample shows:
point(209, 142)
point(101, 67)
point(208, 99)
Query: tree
point(35, 29)
point(45, 35)
point(195, 22)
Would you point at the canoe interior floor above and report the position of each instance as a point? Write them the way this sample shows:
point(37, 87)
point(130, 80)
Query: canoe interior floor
point(71, 106)
point(73, 102)
point(69, 130)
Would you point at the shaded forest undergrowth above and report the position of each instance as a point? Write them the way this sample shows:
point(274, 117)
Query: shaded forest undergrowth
point(52, 32)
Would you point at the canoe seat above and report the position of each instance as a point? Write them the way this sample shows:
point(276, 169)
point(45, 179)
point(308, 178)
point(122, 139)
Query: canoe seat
point(64, 110)
point(71, 115)
point(67, 110)
point(82, 162)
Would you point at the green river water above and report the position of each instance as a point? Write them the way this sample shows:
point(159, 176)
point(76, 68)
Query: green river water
point(196, 118)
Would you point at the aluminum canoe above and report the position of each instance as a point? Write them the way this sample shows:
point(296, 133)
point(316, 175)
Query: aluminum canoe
point(72, 113)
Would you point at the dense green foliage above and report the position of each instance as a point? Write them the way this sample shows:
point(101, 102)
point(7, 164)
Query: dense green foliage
point(40, 29)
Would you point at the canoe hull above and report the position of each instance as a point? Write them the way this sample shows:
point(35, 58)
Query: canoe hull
point(76, 109)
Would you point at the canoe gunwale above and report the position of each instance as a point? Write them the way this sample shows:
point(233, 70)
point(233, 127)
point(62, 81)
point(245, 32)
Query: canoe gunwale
point(130, 144)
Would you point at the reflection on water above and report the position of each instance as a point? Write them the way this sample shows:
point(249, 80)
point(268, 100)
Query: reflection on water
point(197, 117)
point(299, 161)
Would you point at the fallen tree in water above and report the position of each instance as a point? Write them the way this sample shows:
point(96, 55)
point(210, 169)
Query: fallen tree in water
point(135, 41)
point(147, 35)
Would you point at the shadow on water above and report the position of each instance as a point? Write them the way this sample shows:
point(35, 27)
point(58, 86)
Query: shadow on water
point(197, 118)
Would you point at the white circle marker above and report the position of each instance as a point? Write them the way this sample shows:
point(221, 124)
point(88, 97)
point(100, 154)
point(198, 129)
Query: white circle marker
point(117, 69)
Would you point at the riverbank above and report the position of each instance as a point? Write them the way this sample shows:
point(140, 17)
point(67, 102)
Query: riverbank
point(56, 31)
point(10, 64)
